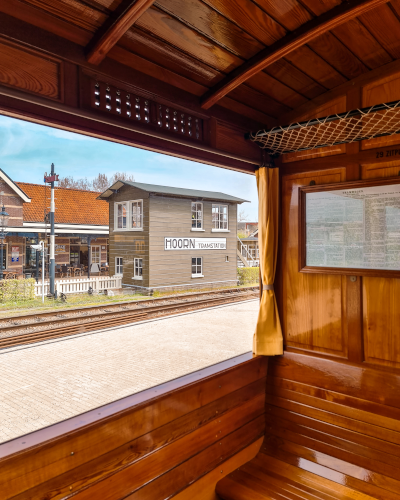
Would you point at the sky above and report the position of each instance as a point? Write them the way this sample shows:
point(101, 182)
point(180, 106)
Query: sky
point(27, 151)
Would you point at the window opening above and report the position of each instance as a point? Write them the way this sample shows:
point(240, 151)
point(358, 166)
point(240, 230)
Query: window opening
point(197, 215)
point(118, 266)
point(121, 215)
point(137, 214)
point(95, 255)
point(220, 217)
point(138, 269)
point(197, 267)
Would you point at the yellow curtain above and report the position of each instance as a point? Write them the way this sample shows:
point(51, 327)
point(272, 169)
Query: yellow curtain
point(268, 340)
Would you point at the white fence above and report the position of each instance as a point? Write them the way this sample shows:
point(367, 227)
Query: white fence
point(81, 285)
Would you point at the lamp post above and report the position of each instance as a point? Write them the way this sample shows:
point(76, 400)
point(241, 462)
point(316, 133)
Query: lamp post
point(3, 225)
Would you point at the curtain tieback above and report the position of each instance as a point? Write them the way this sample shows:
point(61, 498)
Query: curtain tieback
point(268, 287)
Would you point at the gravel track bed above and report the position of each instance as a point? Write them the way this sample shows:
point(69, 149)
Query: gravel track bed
point(34, 324)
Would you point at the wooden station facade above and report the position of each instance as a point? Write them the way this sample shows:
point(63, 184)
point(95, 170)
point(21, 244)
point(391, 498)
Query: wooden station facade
point(167, 238)
point(189, 78)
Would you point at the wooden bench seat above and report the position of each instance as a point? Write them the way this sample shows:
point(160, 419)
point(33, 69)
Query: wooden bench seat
point(266, 477)
point(332, 432)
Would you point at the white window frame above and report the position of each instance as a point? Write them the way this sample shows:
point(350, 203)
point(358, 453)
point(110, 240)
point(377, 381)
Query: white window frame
point(116, 205)
point(129, 212)
point(139, 266)
point(119, 266)
point(218, 222)
point(96, 248)
point(196, 274)
point(195, 212)
point(138, 203)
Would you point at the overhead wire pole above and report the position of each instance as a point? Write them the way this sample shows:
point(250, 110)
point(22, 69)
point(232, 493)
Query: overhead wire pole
point(51, 179)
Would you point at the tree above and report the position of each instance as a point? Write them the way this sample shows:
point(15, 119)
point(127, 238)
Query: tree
point(70, 182)
point(242, 216)
point(121, 176)
point(99, 183)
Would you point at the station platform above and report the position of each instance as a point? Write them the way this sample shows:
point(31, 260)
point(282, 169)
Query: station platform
point(51, 381)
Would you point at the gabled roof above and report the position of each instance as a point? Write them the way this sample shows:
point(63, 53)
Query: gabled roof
point(14, 187)
point(172, 191)
point(73, 206)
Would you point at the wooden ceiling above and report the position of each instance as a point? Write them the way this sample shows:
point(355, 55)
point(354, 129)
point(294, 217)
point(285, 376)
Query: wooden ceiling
point(260, 58)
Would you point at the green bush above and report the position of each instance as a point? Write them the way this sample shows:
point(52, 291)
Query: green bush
point(248, 275)
point(16, 290)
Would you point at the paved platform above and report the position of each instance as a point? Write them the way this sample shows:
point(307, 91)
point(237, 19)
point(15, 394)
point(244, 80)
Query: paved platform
point(45, 383)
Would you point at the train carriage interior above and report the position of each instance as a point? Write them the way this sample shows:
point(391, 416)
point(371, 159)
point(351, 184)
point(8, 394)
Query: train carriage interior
point(303, 96)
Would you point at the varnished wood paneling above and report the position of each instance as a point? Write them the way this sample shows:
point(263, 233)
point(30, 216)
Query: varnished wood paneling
point(383, 90)
point(204, 488)
point(336, 106)
point(111, 458)
point(30, 71)
point(381, 312)
point(332, 432)
point(314, 306)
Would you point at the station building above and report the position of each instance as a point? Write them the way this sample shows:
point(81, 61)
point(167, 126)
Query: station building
point(166, 237)
point(81, 224)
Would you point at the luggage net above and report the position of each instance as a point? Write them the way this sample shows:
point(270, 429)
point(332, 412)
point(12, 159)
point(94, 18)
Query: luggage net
point(356, 125)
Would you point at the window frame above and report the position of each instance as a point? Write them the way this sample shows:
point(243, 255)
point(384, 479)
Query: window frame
point(129, 213)
point(140, 203)
point(201, 228)
point(219, 229)
point(197, 275)
point(92, 247)
point(135, 276)
point(119, 266)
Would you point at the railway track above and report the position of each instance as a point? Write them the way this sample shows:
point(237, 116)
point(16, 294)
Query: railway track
point(33, 327)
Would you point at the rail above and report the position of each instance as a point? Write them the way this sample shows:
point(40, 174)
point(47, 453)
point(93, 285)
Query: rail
point(37, 327)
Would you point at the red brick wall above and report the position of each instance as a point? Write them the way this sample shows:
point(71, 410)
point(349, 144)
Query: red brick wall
point(13, 204)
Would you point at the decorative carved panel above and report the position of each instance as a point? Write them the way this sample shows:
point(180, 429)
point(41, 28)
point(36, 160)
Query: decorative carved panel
point(129, 106)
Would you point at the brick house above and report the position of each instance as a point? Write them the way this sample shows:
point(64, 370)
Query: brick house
point(81, 224)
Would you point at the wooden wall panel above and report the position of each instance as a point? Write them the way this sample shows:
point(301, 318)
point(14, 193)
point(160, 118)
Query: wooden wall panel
point(30, 71)
point(332, 431)
point(228, 137)
point(146, 446)
point(314, 305)
point(337, 105)
point(383, 90)
point(381, 311)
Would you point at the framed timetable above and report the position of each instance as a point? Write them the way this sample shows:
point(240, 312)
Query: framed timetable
point(350, 228)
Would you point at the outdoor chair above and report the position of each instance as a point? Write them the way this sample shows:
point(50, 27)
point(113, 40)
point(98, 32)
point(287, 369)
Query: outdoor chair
point(64, 271)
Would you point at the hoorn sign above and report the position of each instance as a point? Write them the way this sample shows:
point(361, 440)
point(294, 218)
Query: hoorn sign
point(171, 243)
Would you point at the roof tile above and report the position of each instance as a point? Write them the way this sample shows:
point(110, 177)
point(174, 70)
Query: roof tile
point(73, 206)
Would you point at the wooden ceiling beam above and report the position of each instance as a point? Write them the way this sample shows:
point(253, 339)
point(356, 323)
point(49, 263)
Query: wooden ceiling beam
point(307, 32)
point(114, 28)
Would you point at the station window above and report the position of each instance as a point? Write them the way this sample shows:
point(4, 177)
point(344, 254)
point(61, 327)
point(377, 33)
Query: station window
point(121, 215)
point(197, 215)
point(95, 257)
point(137, 214)
point(129, 216)
point(118, 266)
point(220, 217)
point(138, 269)
point(197, 267)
